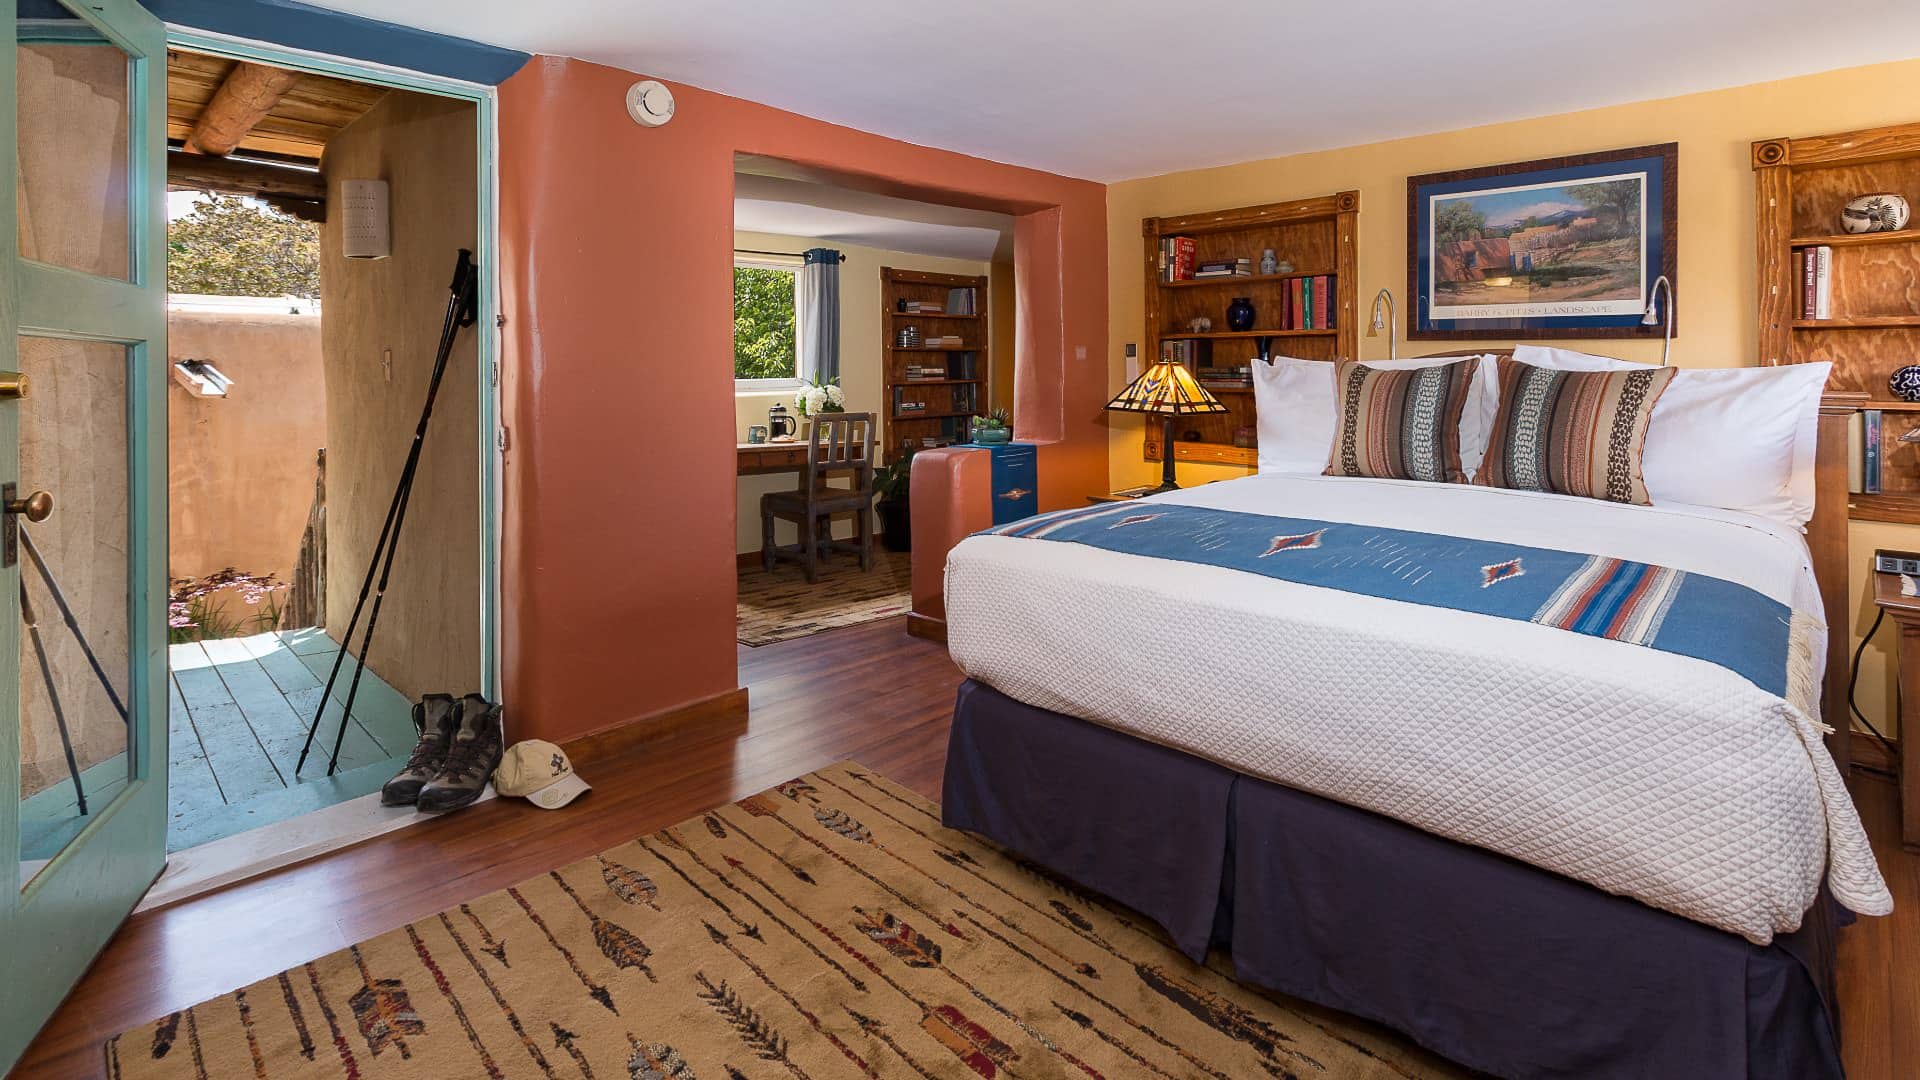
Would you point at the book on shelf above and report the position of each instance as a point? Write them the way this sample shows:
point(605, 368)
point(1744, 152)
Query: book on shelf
point(962, 301)
point(926, 307)
point(1183, 351)
point(1224, 268)
point(1307, 303)
point(1177, 258)
point(1813, 269)
point(1870, 456)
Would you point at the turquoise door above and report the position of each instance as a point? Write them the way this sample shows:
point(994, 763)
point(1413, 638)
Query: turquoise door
point(83, 481)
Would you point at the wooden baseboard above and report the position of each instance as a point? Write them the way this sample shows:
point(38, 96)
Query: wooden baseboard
point(719, 712)
point(926, 626)
point(1869, 754)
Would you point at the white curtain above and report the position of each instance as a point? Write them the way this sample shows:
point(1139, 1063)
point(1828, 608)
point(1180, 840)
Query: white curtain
point(819, 314)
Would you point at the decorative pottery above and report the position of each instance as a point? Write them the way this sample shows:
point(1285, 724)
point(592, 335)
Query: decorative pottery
point(1283, 267)
point(1269, 262)
point(1905, 383)
point(1884, 212)
point(1200, 324)
point(781, 424)
point(988, 436)
point(1240, 314)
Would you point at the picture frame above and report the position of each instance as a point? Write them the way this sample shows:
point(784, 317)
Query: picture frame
point(1566, 247)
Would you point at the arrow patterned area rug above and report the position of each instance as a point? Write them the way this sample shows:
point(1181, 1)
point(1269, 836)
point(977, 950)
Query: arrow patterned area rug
point(829, 927)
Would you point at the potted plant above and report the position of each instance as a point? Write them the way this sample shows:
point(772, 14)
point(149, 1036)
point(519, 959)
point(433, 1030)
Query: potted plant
point(993, 429)
point(893, 483)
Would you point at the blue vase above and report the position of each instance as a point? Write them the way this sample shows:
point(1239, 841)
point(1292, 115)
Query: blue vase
point(1240, 314)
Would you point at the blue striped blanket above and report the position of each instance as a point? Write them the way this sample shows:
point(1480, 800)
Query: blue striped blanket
point(1690, 614)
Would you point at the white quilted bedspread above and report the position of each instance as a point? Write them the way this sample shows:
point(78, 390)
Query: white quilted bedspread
point(1643, 773)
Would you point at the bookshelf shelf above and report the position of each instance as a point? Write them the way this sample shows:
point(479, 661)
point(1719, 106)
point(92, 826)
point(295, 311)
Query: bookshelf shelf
point(1858, 322)
point(1243, 279)
point(961, 391)
point(1800, 186)
point(1316, 232)
point(1903, 236)
point(1230, 335)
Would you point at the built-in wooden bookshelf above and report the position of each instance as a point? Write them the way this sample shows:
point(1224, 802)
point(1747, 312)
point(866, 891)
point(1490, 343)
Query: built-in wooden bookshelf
point(959, 391)
point(1318, 236)
point(1874, 327)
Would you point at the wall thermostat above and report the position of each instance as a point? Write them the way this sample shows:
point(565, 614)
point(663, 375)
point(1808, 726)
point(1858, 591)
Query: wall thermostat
point(1896, 562)
point(649, 103)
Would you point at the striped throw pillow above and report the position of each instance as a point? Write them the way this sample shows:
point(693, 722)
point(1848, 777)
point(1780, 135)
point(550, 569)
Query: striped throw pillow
point(1400, 424)
point(1573, 432)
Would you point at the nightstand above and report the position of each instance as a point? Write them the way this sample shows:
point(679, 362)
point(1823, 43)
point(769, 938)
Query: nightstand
point(1128, 495)
point(1905, 612)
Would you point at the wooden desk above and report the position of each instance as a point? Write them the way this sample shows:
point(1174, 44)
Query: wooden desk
point(1905, 611)
point(754, 458)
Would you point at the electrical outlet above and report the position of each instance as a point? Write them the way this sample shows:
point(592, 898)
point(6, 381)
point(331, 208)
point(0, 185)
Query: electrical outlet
point(386, 364)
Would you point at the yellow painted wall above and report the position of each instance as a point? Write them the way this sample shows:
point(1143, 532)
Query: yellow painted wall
point(1716, 292)
point(860, 361)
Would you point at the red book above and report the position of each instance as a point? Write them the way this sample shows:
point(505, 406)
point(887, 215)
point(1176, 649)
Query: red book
point(1320, 302)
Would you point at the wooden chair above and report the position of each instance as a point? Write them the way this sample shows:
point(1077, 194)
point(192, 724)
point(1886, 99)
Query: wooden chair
point(836, 443)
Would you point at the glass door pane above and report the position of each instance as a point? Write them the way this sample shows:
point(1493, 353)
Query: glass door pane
point(75, 755)
point(71, 190)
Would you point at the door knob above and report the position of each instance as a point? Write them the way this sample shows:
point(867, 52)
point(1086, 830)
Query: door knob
point(13, 384)
point(36, 507)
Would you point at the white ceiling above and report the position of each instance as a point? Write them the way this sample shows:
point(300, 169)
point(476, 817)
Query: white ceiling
point(1112, 89)
point(815, 211)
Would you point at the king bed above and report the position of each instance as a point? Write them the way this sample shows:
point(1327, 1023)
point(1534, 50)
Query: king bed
point(1537, 779)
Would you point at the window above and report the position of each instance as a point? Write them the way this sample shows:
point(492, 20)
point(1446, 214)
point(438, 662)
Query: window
point(764, 323)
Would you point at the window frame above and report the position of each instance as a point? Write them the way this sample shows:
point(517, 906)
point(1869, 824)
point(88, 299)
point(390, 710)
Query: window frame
point(799, 379)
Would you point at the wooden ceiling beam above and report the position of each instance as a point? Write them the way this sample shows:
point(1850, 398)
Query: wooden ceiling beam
point(300, 192)
point(249, 93)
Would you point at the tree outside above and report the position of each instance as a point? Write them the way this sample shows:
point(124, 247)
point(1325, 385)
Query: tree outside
point(231, 246)
point(763, 323)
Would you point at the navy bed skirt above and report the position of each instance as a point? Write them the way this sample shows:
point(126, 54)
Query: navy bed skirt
point(1487, 961)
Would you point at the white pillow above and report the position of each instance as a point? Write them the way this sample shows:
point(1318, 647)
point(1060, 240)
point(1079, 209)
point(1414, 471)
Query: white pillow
point(1736, 438)
point(1739, 438)
point(1568, 360)
point(1294, 400)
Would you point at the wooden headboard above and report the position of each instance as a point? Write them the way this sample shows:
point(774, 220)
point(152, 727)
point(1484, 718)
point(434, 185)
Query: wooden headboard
point(1827, 540)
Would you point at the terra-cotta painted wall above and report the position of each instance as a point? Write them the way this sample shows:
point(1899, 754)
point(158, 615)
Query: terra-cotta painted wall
point(617, 575)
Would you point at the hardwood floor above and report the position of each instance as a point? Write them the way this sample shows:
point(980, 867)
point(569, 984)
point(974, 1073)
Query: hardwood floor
point(867, 693)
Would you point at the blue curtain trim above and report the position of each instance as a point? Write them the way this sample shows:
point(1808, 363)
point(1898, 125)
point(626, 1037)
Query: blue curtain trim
point(303, 26)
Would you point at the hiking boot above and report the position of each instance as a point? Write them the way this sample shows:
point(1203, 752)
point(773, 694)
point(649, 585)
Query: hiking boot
point(479, 740)
point(434, 719)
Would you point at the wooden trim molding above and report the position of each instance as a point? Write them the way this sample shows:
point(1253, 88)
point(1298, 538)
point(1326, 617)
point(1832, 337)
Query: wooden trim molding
point(721, 712)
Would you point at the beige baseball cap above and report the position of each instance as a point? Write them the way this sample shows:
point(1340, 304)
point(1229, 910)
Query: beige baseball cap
point(539, 772)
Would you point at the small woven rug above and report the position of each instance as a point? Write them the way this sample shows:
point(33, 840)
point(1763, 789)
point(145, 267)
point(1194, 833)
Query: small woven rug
point(826, 928)
point(781, 605)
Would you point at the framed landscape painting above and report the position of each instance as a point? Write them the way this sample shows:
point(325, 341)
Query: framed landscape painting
point(1563, 247)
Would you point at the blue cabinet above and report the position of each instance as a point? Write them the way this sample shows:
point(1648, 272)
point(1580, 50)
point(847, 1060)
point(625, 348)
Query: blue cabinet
point(1016, 481)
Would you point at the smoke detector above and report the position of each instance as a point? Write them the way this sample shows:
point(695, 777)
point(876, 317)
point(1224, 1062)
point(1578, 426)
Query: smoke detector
point(649, 103)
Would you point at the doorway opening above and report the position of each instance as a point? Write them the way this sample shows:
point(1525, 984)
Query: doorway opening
point(919, 298)
point(301, 340)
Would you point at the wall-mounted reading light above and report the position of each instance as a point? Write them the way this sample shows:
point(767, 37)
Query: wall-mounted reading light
point(1655, 313)
point(1383, 320)
point(364, 230)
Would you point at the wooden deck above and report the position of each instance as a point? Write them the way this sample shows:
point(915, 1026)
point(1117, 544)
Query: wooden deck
point(237, 716)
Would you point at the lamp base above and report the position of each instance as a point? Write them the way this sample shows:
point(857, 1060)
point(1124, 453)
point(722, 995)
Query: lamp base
point(1166, 460)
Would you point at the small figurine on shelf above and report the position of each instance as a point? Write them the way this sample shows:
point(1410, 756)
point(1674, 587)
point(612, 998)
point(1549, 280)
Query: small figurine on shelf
point(1884, 212)
point(1200, 324)
point(1269, 263)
